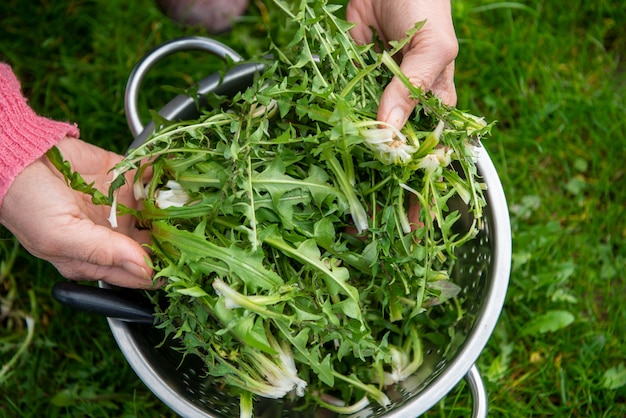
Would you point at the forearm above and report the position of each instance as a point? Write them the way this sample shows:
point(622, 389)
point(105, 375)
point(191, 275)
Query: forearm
point(24, 136)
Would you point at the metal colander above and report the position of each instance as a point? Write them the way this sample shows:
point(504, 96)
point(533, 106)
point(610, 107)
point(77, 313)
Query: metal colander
point(482, 269)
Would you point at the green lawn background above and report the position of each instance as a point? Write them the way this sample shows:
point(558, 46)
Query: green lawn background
point(552, 75)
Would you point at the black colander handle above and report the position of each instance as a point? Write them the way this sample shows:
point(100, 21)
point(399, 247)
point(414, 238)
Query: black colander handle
point(122, 304)
point(141, 69)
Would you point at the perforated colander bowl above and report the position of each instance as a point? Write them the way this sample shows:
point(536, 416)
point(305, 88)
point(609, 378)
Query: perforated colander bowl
point(482, 269)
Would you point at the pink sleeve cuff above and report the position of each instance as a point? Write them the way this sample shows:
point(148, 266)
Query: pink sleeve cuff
point(24, 136)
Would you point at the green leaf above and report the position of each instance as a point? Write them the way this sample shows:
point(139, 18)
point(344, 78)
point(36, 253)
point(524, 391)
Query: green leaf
point(64, 398)
point(277, 183)
point(241, 263)
point(308, 252)
point(550, 321)
point(348, 307)
point(194, 291)
point(251, 329)
point(324, 231)
point(444, 289)
point(74, 179)
point(305, 315)
point(317, 184)
point(323, 369)
point(614, 378)
point(499, 366)
point(357, 211)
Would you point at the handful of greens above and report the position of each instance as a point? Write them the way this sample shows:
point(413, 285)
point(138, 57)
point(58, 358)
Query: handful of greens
point(303, 243)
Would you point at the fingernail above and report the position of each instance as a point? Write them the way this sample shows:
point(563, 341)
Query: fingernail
point(397, 117)
point(135, 270)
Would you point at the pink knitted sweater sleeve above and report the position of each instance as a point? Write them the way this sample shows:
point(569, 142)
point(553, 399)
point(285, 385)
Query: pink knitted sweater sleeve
point(24, 136)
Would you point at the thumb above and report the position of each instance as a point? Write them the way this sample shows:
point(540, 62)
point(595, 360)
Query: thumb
point(396, 104)
point(428, 65)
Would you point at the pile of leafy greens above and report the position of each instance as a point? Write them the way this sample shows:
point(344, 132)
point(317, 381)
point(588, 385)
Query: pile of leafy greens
point(301, 241)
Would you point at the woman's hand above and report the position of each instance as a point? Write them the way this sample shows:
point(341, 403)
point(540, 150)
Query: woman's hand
point(64, 227)
point(428, 60)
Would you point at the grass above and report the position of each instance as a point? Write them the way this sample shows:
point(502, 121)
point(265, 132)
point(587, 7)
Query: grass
point(551, 73)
